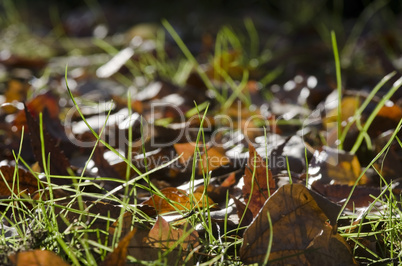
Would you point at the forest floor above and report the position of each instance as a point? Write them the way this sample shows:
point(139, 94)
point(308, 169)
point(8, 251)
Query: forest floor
point(254, 136)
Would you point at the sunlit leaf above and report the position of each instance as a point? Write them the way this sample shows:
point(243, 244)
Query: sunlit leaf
point(335, 167)
point(36, 258)
point(175, 199)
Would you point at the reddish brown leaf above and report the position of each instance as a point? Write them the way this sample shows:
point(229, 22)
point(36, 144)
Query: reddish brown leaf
point(387, 118)
point(58, 161)
point(244, 214)
point(24, 181)
point(229, 181)
point(301, 235)
point(119, 254)
point(361, 197)
point(36, 258)
point(255, 190)
point(37, 105)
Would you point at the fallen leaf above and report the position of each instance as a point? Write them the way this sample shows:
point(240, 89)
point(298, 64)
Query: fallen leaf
point(164, 236)
point(150, 244)
point(36, 258)
point(244, 214)
point(349, 106)
point(37, 105)
point(16, 92)
point(213, 159)
point(255, 189)
point(299, 226)
point(186, 150)
point(229, 181)
point(335, 167)
point(179, 200)
point(218, 193)
point(387, 118)
point(24, 181)
point(59, 163)
point(329, 249)
point(362, 196)
point(119, 255)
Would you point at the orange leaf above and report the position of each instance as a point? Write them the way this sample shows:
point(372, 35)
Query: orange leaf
point(16, 92)
point(255, 189)
point(163, 236)
point(335, 167)
point(229, 181)
point(37, 258)
point(213, 159)
point(216, 158)
point(187, 149)
point(179, 200)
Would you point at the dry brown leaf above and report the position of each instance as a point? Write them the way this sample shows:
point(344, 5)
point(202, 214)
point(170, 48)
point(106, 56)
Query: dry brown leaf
point(16, 92)
point(24, 181)
point(329, 249)
point(229, 181)
point(362, 196)
point(213, 159)
point(179, 200)
point(119, 254)
point(218, 193)
point(244, 214)
point(163, 236)
point(299, 226)
point(150, 244)
point(36, 106)
point(335, 167)
point(349, 106)
point(186, 150)
point(36, 258)
point(256, 190)
point(58, 162)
